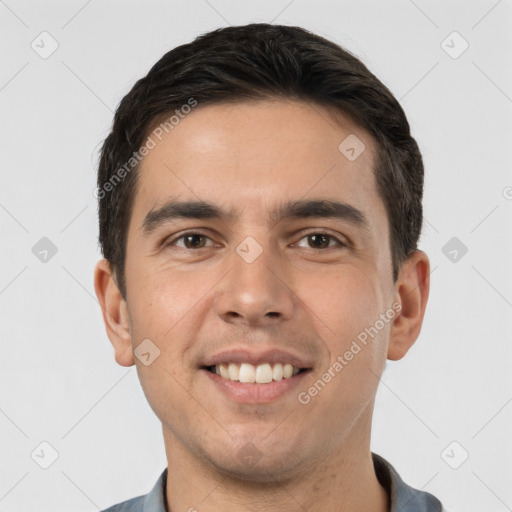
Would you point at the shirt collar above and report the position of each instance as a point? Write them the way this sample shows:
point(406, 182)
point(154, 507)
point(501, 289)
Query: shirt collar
point(402, 497)
point(155, 499)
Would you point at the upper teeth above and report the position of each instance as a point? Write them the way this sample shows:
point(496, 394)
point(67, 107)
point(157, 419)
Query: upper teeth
point(261, 374)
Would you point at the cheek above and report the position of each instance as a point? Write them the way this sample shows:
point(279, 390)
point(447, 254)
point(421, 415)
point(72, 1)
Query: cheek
point(170, 308)
point(349, 308)
point(167, 309)
point(343, 303)
point(163, 299)
point(346, 312)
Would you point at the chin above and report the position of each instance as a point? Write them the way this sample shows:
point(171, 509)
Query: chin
point(249, 463)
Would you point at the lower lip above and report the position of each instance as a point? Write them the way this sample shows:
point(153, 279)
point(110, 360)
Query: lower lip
point(256, 393)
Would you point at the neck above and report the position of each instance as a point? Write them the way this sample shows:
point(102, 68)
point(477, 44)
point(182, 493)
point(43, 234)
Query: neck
point(342, 480)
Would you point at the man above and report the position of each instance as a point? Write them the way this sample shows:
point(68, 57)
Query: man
point(260, 207)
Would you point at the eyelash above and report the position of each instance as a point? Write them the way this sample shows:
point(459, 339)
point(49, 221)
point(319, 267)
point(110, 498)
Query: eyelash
point(199, 233)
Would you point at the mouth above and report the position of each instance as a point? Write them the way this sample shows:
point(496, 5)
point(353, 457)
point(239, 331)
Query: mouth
point(247, 373)
point(255, 377)
point(244, 383)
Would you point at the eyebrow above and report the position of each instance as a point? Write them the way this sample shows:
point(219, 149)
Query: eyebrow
point(291, 210)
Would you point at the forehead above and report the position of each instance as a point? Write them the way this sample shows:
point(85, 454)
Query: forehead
point(250, 157)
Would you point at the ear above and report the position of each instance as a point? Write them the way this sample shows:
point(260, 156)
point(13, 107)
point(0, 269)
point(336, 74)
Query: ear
point(115, 313)
point(412, 288)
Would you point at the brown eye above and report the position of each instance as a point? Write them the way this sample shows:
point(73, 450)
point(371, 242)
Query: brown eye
point(319, 241)
point(322, 241)
point(191, 240)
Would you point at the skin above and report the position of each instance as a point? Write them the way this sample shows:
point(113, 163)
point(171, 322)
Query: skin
point(193, 302)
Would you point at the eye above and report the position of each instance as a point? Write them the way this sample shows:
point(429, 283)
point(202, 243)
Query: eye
point(321, 240)
point(191, 240)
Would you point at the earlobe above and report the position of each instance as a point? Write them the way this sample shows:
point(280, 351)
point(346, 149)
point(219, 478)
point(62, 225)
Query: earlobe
point(412, 289)
point(115, 313)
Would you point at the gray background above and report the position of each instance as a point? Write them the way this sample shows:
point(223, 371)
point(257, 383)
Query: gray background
point(59, 382)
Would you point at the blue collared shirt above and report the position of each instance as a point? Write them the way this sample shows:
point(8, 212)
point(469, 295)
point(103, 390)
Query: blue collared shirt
point(403, 498)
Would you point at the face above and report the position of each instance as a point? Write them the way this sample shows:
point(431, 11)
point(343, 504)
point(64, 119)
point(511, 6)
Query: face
point(289, 262)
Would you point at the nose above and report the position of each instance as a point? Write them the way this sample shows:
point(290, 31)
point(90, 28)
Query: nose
point(256, 293)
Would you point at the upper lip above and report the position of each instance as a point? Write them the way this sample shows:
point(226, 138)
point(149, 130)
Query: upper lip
point(256, 358)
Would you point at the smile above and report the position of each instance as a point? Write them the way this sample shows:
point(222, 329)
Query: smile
point(259, 374)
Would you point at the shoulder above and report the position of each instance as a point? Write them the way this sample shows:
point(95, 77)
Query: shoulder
point(131, 505)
